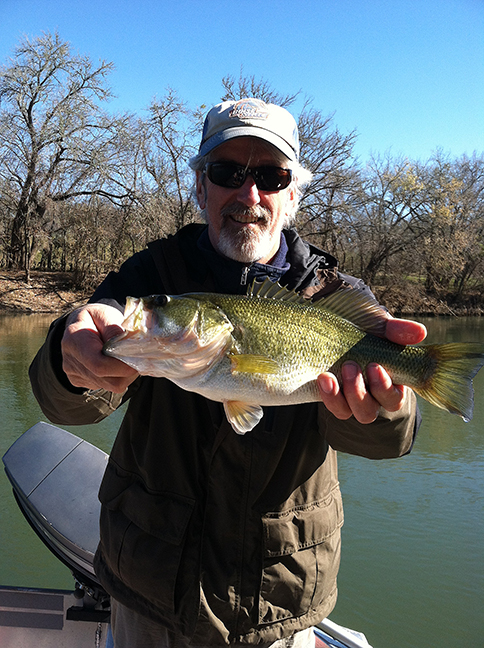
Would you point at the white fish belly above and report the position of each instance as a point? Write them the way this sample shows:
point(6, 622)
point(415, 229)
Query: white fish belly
point(221, 384)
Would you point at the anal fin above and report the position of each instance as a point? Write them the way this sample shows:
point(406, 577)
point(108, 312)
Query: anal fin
point(243, 417)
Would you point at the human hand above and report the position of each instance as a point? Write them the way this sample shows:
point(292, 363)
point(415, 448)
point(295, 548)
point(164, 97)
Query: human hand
point(353, 397)
point(87, 329)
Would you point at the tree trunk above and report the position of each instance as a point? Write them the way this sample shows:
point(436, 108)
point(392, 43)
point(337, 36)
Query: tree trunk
point(18, 245)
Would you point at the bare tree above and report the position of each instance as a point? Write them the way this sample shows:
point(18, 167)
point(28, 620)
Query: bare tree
point(55, 141)
point(453, 223)
point(170, 133)
point(249, 86)
point(384, 222)
point(328, 154)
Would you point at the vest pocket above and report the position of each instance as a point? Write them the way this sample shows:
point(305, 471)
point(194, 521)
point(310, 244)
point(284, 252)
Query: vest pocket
point(143, 535)
point(301, 558)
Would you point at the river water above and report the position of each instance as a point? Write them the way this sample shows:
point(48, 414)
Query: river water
point(412, 570)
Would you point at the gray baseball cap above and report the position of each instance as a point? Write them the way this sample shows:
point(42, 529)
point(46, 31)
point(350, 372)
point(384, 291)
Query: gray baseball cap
point(253, 118)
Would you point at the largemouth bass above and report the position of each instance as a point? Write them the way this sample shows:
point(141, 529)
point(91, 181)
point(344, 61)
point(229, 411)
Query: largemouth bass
point(269, 346)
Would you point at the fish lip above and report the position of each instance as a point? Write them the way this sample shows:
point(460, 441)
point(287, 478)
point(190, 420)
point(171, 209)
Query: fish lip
point(110, 346)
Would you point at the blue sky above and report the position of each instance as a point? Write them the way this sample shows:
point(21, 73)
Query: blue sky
point(407, 75)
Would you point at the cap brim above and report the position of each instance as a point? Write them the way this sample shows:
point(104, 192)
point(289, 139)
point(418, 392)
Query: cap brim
point(248, 131)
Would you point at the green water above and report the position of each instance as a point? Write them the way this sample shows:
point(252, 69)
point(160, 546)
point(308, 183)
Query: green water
point(24, 561)
point(412, 572)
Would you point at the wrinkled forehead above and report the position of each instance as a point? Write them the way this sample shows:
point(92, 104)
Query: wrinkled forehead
point(248, 150)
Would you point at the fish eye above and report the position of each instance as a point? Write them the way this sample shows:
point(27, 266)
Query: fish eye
point(161, 300)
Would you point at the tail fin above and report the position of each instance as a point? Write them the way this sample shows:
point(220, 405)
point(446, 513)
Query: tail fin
point(450, 386)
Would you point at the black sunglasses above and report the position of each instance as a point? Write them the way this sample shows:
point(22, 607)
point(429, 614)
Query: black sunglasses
point(233, 176)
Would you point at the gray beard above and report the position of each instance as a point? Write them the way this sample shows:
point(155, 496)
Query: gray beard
point(246, 246)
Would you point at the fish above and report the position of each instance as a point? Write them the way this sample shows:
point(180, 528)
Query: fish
point(268, 347)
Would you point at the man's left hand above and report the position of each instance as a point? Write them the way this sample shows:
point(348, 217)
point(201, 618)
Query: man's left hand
point(363, 401)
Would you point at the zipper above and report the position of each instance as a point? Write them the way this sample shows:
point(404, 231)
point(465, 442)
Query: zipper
point(243, 277)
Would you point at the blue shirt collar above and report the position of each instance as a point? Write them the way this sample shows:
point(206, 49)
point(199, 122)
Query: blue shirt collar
point(233, 277)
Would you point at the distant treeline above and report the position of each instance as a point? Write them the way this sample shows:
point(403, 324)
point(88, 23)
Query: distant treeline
point(81, 189)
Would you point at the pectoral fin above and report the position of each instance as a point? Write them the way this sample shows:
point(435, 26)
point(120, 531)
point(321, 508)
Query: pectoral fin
point(243, 417)
point(246, 363)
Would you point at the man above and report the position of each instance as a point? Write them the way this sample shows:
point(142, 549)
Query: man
point(208, 537)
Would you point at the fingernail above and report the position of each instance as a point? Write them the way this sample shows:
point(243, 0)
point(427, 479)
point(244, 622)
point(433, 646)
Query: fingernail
point(326, 386)
point(349, 370)
point(372, 373)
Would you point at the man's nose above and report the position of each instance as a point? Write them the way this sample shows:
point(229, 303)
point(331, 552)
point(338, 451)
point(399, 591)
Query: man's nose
point(248, 194)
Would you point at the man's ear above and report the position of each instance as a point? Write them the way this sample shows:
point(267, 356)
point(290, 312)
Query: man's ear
point(291, 198)
point(201, 189)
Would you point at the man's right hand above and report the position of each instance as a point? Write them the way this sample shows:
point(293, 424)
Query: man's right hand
point(84, 363)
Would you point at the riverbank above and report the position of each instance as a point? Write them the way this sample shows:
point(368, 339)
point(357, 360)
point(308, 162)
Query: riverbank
point(47, 292)
point(408, 299)
point(52, 292)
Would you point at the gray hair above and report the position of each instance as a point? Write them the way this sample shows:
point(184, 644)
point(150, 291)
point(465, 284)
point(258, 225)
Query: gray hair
point(301, 176)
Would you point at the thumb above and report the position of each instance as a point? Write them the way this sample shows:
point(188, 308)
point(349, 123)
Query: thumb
point(106, 320)
point(110, 331)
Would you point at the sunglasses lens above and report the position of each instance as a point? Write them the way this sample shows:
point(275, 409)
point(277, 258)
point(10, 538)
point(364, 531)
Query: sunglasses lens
point(225, 174)
point(232, 176)
point(271, 178)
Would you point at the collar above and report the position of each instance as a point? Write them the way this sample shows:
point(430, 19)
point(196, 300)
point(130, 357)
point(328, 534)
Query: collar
point(233, 277)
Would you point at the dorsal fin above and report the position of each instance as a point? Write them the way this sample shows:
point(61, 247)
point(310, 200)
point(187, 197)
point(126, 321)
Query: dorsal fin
point(350, 304)
point(356, 307)
point(270, 290)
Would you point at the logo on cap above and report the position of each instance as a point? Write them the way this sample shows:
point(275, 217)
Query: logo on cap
point(249, 109)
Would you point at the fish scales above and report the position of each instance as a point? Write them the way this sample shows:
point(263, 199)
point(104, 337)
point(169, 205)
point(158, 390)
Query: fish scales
point(298, 337)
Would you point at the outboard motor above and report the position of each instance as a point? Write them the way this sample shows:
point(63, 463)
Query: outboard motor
point(55, 477)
